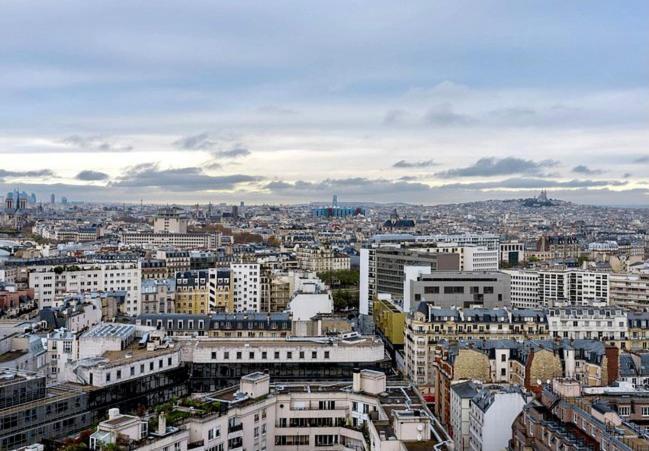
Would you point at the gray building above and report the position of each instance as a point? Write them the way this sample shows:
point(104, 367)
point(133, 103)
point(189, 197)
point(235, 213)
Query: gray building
point(489, 289)
point(382, 270)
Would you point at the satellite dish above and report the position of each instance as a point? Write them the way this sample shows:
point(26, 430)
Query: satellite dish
point(420, 427)
point(539, 382)
point(419, 437)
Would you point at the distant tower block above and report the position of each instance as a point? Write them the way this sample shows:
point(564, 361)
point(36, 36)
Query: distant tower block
point(335, 200)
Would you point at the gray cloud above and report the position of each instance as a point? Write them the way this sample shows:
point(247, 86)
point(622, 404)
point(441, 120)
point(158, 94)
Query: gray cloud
point(94, 143)
point(353, 186)
point(91, 176)
point(180, 179)
point(34, 173)
point(583, 169)
point(534, 183)
point(443, 115)
point(202, 141)
point(395, 116)
point(235, 152)
point(487, 167)
point(644, 159)
point(403, 164)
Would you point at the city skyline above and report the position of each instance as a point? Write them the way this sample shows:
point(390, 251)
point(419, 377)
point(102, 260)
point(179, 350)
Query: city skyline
point(428, 103)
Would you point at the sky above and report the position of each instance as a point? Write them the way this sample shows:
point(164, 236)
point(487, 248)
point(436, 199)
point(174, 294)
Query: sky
point(424, 101)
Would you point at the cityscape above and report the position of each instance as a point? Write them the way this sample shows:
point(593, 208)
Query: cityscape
point(327, 226)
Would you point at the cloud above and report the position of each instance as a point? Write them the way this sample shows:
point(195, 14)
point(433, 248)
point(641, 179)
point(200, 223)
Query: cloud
point(626, 175)
point(91, 176)
point(180, 179)
point(353, 186)
point(235, 152)
point(94, 143)
point(403, 164)
point(491, 166)
point(534, 183)
point(583, 169)
point(395, 116)
point(443, 115)
point(202, 141)
point(34, 173)
point(644, 159)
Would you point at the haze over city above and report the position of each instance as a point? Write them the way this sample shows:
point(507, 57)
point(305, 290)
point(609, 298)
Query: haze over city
point(285, 102)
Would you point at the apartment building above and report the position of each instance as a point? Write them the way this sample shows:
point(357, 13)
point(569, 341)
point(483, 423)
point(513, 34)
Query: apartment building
point(321, 259)
point(602, 323)
point(629, 290)
point(52, 283)
point(524, 291)
point(192, 292)
point(571, 417)
point(158, 295)
point(246, 286)
point(178, 240)
point(256, 414)
point(221, 296)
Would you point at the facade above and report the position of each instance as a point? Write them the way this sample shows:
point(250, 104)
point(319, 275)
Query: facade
point(472, 257)
point(382, 270)
point(629, 290)
point(321, 259)
point(158, 295)
point(524, 291)
point(178, 240)
point(169, 221)
point(461, 289)
point(494, 407)
point(51, 283)
point(192, 292)
point(575, 418)
point(246, 286)
point(220, 283)
point(605, 323)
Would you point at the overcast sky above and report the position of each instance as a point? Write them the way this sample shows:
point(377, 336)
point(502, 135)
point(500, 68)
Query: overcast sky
point(291, 101)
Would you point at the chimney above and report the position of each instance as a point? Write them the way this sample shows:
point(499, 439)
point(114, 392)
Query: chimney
point(162, 424)
point(356, 380)
point(113, 413)
point(613, 364)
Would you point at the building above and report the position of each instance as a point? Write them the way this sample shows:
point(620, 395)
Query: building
point(382, 270)
point(321, 259)
point(512, 253)
point(575, 418)
point(52, 283)
point(602, 323)
point(192, 292)
point(472, 257)
point(494, 407)
point(246, 286)
point(629, 290)
point(390, 323)
point(169, 220)
point(524, 289)
point(542, 289)
point(158, 295)
point(177, 240)
point(460, 289)
point(221, 296)
point(256, 414)
point(174, 260)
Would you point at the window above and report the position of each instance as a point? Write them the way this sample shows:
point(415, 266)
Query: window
point(314, 354)
point(226, 355)
point(277, 354)
point(289, 355)
point(213, 355)
point(326, 356)
point(645, 411)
